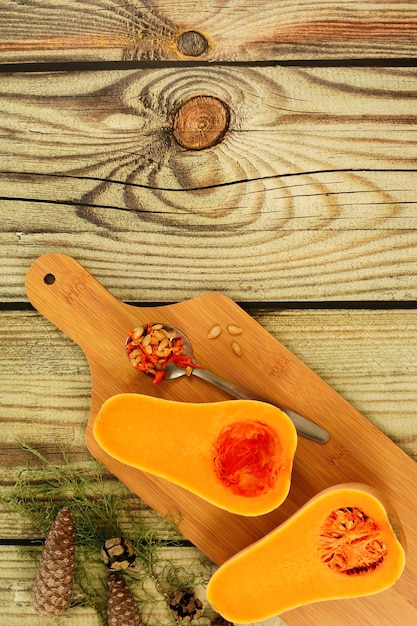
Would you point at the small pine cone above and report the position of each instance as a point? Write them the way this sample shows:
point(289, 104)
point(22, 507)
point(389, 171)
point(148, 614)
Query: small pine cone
point(185, 605)
point(121, 607)
point(54, 581)
point(118, 553)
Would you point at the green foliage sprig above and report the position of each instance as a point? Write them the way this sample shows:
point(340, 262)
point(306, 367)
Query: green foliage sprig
point(103, 507)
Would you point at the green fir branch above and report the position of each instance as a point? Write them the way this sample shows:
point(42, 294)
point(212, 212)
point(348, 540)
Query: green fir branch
point(102, 509)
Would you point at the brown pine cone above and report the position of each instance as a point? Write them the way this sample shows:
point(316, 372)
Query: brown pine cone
point(54, 581)
point(118, 553)
point(185, 605)
point(121, 607)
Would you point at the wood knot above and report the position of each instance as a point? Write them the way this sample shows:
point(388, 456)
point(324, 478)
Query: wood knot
point(201, 122)
point(192, 43)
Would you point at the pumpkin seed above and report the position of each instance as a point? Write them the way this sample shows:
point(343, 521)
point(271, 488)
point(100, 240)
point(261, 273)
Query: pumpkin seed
point(234, 330)
point(214, 332)
point(236, 348)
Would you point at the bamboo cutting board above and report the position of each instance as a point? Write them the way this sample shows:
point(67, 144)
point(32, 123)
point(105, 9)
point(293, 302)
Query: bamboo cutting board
point(65, 293)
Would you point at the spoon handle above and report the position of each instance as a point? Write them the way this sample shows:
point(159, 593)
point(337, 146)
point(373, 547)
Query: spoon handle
point(303, 426)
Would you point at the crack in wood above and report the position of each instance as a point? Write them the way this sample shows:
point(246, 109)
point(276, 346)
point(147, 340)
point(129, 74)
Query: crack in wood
point(204, 187)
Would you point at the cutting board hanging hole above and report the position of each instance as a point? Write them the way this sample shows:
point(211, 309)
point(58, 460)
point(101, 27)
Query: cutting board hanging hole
point(49, 279)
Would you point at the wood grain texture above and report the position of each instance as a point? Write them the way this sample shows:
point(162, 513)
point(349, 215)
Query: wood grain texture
point(14, 528)
point(310, 195)
point(116, 30)
point(17, 575)
point(80, 306)
point(346, 348)
point(367, 356)
point(18, 572)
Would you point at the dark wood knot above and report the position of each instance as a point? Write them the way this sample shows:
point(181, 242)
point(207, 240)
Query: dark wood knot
point(201, 122)
point(192, 43)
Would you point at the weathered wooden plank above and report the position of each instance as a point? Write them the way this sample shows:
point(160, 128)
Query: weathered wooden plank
point(310, 195)
point(369, 357)
point(226, 31)
point(17, 576)
point(18, 572)
point(14, 527)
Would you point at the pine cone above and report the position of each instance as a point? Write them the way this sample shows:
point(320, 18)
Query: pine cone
point(54, 581)
point(121, 607)
point(185, 605)
point(118, 553)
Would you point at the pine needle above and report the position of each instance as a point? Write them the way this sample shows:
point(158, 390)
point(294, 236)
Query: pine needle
point(103, 508)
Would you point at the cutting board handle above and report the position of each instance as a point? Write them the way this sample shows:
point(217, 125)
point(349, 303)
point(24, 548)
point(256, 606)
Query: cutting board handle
point(67, 294)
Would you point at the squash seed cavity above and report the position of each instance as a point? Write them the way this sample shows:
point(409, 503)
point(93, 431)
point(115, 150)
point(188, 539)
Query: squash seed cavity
point(246, 458)
point(350, 542)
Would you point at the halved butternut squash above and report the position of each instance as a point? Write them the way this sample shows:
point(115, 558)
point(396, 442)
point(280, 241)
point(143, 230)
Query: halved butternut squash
point(237, 454)
point(343, 543)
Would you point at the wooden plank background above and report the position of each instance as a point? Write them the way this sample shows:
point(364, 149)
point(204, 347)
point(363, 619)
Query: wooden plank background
point(305, 213)
point(311, 196)
point(234, 31)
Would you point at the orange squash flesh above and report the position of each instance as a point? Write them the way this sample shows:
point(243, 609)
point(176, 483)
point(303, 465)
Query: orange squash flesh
point(237, 454)
point(325, 551)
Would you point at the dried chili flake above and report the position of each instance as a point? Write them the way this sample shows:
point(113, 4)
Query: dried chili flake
point(152, 347)
point(246, 457)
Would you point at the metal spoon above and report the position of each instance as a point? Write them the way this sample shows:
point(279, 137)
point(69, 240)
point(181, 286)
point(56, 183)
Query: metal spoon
point(303, 426)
